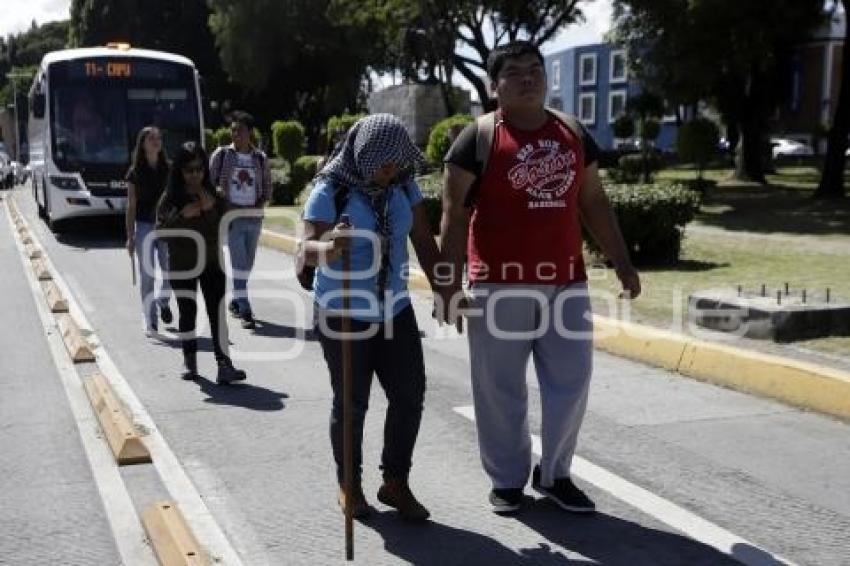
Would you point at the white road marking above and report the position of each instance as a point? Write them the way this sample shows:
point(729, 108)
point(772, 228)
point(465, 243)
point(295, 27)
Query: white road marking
point(665, 511)
point(130, 538)
point(172, 474)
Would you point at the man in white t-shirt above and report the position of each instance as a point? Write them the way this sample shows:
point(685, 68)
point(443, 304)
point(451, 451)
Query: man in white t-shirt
point(242, 175)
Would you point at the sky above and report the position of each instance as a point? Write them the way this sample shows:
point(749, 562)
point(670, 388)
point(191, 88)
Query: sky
point(17, 15)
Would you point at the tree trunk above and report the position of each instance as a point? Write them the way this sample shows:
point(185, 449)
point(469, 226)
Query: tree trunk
point(832, 181)
point(749, 165)
point(487, 103)
point(733, 137)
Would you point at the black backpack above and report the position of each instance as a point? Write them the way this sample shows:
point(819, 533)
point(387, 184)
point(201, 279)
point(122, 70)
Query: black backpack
point(306, 273)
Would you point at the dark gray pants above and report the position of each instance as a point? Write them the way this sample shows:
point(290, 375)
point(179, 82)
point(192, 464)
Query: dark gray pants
point(397, 361)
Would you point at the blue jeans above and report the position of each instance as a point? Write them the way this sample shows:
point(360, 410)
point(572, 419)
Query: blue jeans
point(147, 277)
point(242, 240)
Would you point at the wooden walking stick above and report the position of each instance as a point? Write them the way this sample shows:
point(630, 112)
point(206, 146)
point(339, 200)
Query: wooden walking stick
point(347, 401)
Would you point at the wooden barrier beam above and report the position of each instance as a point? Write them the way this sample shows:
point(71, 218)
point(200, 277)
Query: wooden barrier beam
point(170, 535)
point(55, 300)
point(77, 345)
point(123, 439)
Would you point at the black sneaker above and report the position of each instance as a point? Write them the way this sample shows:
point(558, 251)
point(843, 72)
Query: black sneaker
point(248, 321)
point(564, 493)
point(506, 500)
point(227, 374)
point(165, 314)
point(233, 307)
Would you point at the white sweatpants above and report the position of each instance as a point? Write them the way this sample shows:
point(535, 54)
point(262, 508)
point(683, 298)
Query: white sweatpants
point(510, 323)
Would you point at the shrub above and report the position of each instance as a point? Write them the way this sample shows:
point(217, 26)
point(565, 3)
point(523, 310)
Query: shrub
point(210, 142)
point(257, 138)
point(652, 218)
point(650, 129)
point(697, 141)
point(288, 139)
point(431, 184)
point(439, 140)
point(341, 123)
point(288, 184)
point(222, 137)
point(624, 126)
point(630, 167)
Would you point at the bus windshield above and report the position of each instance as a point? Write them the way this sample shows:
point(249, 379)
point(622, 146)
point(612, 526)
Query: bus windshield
point(96, 123)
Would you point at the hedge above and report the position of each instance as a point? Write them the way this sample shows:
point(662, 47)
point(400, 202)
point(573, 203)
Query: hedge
point(210, 142)
point(652, 218)
point(222, 136)
point(289, 183)
point(629, 167)
point(341, 123)
point(288, 139)
point(439, 141)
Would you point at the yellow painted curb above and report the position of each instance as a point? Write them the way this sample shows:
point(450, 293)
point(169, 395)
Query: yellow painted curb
point(76, 344)
point(808, 386)
point(41, 271)
point(125, 442)
point(171, 537)
point(277, 241)
point(55, 300)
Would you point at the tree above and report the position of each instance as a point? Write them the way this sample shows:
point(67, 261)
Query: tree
point(832, 180)
point(696, 142)
point(175, 26)
point(646, 107)
point(460, 34)
point(736, 54)
point(298, 63)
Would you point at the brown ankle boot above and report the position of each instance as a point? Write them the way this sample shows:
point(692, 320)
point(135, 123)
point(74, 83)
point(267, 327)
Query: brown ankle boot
point(361, 508)
point(396, 493)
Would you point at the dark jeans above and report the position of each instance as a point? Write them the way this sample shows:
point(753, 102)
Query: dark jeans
point(400, 368)
point(212, 281)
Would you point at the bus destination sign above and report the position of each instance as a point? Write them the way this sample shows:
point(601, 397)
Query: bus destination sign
point(111, 69)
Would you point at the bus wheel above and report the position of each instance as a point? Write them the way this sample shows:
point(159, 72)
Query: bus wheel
point(42, 208)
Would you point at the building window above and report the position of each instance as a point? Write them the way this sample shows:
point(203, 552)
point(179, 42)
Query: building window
point(587, 68)
point(619, 66)
point(587, 108)
point(556, 75)
point(616, 104)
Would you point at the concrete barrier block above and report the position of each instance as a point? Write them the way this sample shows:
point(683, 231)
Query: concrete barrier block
point(55, 300)
point(76, 344)
point(280, 242)
point(121, 435)
point(170, 535)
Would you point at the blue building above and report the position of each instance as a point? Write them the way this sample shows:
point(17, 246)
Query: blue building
point(592, 82)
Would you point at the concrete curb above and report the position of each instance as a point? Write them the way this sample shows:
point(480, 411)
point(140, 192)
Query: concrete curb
point(807, 386)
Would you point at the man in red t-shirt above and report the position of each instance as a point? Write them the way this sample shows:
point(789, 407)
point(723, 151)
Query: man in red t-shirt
point(527, 284)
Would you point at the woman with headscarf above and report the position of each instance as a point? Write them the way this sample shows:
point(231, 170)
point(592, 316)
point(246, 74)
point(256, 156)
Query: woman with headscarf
point(373, 172)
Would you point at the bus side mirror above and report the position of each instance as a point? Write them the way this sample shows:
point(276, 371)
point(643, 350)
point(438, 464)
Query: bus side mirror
point(38, 104)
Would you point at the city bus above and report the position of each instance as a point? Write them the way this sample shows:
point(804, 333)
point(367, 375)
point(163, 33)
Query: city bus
point(86, 107)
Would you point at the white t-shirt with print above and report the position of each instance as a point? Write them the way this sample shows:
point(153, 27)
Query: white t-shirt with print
point(243, 181)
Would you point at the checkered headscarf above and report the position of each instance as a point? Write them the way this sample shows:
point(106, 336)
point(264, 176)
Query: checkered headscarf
point(372, 142)
point(375, 141)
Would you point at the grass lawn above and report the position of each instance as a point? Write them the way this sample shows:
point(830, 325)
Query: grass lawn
point(282, 218)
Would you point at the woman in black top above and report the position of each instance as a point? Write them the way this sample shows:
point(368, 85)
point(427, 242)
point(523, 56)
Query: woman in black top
point(145, 185)
point(190, 205)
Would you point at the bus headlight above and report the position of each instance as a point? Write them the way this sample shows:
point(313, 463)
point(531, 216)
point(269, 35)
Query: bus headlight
point(65, 183)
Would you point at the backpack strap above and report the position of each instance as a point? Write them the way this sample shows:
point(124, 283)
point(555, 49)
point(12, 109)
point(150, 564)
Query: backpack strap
point(570, 122)
point(485, 133)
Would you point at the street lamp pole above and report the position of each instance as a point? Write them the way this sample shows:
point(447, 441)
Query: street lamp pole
point(12, 77)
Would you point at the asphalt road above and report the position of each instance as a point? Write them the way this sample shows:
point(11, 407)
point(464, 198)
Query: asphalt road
point(682, 472)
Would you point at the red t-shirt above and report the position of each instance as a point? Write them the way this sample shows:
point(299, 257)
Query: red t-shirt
point(525, 226)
